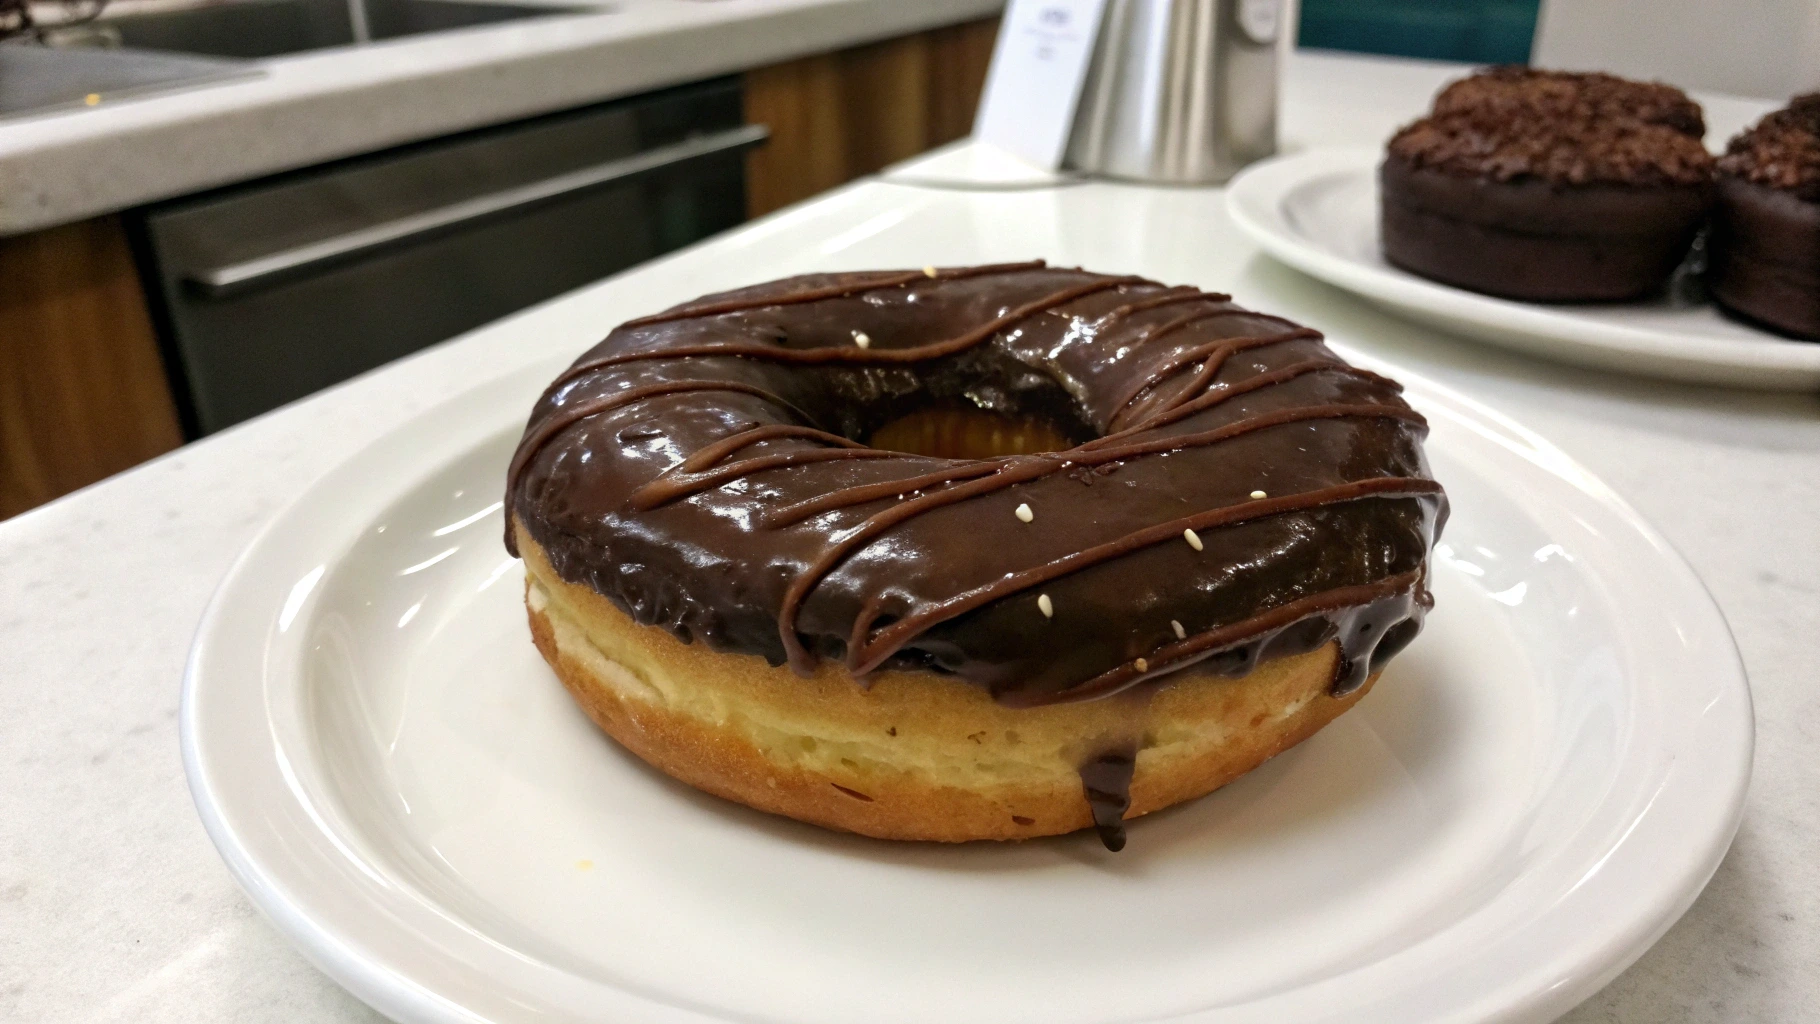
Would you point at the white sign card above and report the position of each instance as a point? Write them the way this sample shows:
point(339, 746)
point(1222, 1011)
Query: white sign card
point(1038, 67)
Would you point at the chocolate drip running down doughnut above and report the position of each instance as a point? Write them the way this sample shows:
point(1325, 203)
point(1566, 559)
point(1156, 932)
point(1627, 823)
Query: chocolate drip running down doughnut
point(1106, 780)
point(706, 469)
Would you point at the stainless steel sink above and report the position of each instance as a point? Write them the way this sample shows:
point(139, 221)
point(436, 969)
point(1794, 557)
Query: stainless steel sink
point(269, 28)
point(38, 79)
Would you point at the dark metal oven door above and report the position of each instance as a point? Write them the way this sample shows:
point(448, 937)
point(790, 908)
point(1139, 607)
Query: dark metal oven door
point(275, 290)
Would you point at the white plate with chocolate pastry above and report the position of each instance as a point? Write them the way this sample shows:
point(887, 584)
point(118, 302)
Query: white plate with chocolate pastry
point(1318, 212)
point(1573, 215)
point(998, 644)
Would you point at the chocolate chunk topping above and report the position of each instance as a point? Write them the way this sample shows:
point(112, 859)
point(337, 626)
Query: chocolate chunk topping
point(1106, 781)
point(1514, 123)
point(1517, 91)
point(1782, 151)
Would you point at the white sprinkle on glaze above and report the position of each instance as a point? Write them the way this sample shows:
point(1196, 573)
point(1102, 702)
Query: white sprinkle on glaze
point(860, 339)
point(1193, 539)
point(1046, 606)
point(1141, 665)
point(1180, 633)
point(1258, 495)
point(928, 271)
point(1024, 513)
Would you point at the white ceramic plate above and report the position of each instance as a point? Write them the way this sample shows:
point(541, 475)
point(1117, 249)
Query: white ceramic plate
point(1534, 792)
point(1318, 212)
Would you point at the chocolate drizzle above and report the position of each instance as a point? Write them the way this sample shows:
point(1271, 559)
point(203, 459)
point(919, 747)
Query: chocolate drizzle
point(1106, 781)
point(704, 468)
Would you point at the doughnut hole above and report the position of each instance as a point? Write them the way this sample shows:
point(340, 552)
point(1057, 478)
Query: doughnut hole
point(954, 433)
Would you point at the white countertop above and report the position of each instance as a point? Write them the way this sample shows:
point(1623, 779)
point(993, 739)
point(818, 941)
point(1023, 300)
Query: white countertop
point(326, 104)
point(114, 907)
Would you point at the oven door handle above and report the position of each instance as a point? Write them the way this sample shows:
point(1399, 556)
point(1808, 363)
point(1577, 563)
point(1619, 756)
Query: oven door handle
point(262, 271)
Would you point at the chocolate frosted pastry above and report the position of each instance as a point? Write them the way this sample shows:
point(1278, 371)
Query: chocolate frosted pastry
point(1516, 91)
point(1765, 243)
point(983, 553)
point(1547, 186)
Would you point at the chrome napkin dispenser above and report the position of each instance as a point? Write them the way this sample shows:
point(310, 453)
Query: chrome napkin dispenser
point(1179, 91)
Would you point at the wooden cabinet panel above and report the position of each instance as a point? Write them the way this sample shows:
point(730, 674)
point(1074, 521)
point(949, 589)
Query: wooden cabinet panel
point(82, 388)
point(838, 116)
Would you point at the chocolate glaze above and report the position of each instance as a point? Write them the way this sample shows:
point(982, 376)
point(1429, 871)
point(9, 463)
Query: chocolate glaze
point(1106, 782)
point(1764, 262)
point(1535, 240)
point(704, 469)
point(1764, 247)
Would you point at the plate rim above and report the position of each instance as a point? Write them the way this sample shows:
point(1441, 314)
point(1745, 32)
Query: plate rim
point(1254, 202)
point(389, 989)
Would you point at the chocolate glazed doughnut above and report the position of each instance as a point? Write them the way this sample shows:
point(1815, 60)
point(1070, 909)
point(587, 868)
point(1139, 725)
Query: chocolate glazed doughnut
point(1228, 507)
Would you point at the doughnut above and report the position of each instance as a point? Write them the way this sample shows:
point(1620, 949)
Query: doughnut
point(1764, 250)
point(972, 553)
point(1547, 186)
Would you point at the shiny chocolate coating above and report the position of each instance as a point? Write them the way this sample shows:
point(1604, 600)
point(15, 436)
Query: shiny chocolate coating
point(1764, 247)
point(704, 469)
point(1535, 240)
point(1764, 253)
